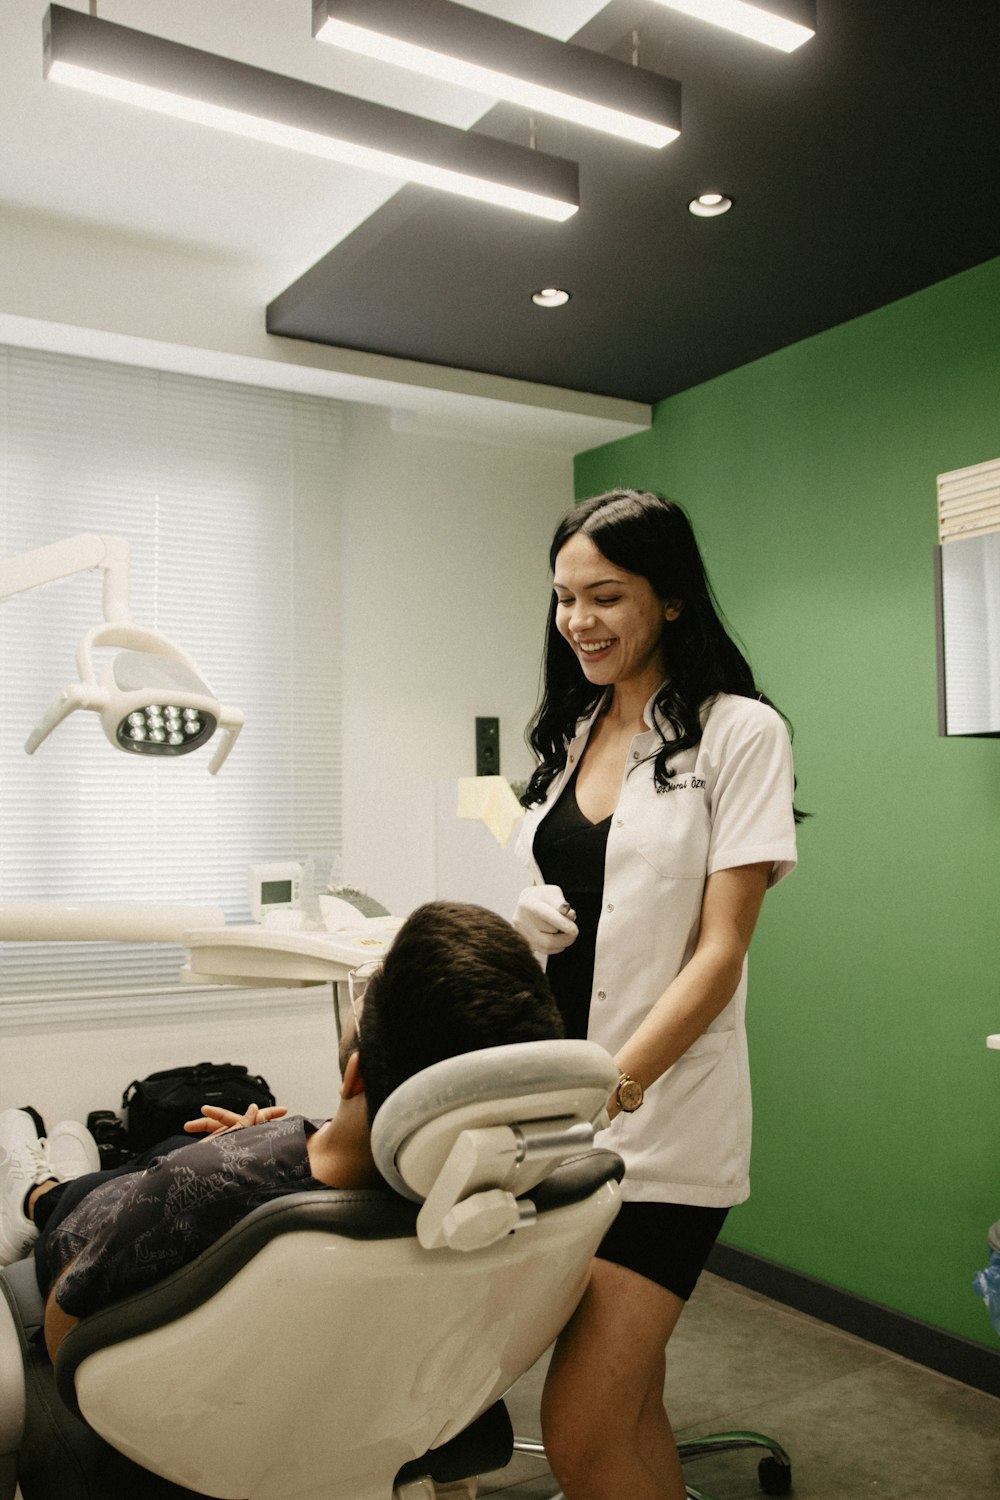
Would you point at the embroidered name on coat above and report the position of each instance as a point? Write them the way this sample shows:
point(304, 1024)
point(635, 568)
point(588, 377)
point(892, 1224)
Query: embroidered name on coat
point(696, 783)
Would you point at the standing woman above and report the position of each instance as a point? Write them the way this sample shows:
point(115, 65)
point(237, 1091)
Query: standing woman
point(659, 814)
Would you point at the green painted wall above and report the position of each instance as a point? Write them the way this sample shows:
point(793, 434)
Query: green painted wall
point(875, 971)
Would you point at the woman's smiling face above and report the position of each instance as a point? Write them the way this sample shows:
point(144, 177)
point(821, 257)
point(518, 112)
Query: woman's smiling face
point(613, 619)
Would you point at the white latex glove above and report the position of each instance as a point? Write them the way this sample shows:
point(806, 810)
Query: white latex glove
point(539, 920)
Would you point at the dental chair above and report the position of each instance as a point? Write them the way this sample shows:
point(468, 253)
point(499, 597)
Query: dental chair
point(338, 1345)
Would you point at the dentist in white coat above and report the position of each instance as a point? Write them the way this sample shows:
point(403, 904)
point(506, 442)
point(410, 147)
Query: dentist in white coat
point(659, 814)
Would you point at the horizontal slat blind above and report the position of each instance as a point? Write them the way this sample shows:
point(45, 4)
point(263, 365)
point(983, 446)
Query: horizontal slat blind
point(229, 499)
point(969, 501)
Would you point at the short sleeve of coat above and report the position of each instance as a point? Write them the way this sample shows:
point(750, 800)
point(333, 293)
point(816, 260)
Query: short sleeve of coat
point(751, 787)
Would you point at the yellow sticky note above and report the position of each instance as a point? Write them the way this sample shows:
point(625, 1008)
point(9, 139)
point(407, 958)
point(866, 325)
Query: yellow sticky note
point(490, 799)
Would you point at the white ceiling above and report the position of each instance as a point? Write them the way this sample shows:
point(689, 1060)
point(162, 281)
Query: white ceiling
point(127, 235)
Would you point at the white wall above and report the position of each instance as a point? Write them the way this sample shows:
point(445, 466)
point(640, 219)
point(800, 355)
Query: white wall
point(445, 590)
point(445, 594)
point(68, 1069)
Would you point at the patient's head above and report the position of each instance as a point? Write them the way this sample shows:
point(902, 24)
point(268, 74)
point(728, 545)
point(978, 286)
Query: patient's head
point(457, 978)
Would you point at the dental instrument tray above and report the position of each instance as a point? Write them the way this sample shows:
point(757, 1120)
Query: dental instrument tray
point(259, 955)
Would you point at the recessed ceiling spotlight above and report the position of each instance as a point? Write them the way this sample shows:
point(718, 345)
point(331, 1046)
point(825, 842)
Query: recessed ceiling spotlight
point(710, 205)
point(550, 296)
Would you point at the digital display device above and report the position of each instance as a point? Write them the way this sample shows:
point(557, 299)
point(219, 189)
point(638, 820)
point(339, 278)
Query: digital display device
point(274, 887)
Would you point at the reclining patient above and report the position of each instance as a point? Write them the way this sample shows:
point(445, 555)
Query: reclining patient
point(457, 979)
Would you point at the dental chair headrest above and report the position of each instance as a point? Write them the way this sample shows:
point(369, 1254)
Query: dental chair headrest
point(473, 1134)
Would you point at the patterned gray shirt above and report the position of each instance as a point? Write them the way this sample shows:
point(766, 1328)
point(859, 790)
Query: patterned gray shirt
point(134, 1230)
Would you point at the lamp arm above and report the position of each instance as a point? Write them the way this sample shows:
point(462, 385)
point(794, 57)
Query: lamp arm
point(231, 721)
point(77, 695)
point(116, 578)
point(124, 632)
point(75, 554)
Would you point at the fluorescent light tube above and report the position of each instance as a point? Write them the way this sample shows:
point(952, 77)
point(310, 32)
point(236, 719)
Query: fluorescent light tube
point(758, 22)
point(477, 51)
point(169, 78)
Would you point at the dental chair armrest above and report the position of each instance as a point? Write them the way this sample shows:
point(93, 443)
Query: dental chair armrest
point(372, 1214)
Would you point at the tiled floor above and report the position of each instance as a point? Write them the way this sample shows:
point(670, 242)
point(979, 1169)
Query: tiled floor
point(856, 1421)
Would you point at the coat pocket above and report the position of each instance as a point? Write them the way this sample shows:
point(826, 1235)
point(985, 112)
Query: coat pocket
point(700, 1103)
point(675, 831)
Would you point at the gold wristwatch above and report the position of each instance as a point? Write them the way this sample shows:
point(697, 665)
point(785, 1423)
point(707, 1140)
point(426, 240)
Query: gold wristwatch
point(629, 1094)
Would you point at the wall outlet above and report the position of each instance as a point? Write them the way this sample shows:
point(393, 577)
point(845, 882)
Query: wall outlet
point(487, 747)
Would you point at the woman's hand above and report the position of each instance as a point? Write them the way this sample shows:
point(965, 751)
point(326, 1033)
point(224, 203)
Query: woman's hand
point(215, 1119)
point(544, 919)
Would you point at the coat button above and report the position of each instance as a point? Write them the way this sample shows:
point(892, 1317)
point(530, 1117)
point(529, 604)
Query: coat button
point(635, 755)
point(610, 906)
point(619, 822)
point(601, 995)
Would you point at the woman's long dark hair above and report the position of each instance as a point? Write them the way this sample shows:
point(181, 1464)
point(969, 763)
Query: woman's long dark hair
point(649, 535)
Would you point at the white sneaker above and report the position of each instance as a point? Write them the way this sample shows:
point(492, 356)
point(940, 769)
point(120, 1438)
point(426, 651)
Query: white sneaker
point(24, 1163)
point(72, 1150)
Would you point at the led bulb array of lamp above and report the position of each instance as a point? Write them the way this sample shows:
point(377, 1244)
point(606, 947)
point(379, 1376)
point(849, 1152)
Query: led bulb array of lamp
point(450, 42)
point(151, 697)
point(170, 78)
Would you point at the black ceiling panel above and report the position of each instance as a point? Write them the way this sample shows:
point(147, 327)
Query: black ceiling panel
point(862, 167)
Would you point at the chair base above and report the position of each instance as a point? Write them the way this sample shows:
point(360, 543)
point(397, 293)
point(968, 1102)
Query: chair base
point(774, 1471)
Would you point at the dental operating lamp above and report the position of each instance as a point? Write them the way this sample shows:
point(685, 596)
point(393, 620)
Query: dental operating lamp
point(151, 697)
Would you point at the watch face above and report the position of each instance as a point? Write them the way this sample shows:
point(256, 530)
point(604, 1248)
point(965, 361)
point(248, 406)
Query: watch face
point(629, 1095)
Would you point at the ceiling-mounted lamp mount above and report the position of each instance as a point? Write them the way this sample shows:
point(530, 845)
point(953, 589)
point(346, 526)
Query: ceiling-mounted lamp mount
point(170, 78)
point(480, 52)
point(784, 24)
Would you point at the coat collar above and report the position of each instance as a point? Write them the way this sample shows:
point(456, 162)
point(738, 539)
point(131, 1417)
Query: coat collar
point(650, 713)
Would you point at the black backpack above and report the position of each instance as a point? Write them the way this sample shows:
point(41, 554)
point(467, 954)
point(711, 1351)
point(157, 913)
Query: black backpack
point(156, 1107)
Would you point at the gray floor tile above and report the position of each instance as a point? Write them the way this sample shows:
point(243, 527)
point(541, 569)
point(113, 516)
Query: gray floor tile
point(857, 1421)
point(732, 1345)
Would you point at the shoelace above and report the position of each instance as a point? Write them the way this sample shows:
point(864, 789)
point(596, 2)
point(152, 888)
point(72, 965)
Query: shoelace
point(39, 1155)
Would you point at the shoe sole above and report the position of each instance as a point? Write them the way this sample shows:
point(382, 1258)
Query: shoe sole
point(10, 1254)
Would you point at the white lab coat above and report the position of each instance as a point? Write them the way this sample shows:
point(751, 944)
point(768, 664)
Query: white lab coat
point(728, 803)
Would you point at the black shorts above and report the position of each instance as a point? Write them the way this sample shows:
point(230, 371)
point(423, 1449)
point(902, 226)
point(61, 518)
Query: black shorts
point(668, 1243)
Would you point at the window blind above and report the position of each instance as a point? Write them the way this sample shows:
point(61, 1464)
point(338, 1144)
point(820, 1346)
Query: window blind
point(969, 501)
point(229, 499)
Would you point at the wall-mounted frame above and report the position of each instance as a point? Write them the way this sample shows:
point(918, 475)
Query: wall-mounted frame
point(967, 597)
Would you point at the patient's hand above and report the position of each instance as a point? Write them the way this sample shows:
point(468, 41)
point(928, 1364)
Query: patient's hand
point(213, 1119)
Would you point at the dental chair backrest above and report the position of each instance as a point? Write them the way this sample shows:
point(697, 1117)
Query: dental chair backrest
point(332, 1338)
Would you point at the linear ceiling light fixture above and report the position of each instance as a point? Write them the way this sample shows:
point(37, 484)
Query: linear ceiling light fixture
point(493, 57)
point(170, 78)
point(784, 24)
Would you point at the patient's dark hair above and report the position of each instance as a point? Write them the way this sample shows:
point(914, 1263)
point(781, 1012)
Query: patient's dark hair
point(457, 978)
